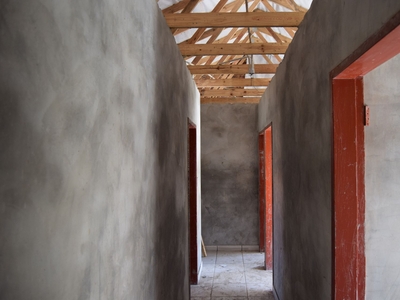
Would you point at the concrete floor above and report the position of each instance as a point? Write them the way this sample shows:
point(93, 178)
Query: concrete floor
point(233, 275)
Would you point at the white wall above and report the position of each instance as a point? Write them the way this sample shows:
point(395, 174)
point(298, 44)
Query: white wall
point(382, 181)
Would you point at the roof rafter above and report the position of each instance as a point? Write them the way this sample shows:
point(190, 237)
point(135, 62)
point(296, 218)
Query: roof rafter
point(188, 9)
point(230, 100)
point(236, 82)
point(222, 20)
point(232, 49)
point(232, 93)
point(233, 69)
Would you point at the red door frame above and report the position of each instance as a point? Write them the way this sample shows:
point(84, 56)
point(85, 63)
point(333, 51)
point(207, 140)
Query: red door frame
point(192, 185)
point(348, 159)
point(261, 184)
point(266, 201)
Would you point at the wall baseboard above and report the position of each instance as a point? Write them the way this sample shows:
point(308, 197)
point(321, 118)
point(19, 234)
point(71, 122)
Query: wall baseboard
point(232, 247)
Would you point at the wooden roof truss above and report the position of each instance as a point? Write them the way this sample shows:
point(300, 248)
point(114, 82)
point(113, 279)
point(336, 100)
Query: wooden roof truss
point(224, 42)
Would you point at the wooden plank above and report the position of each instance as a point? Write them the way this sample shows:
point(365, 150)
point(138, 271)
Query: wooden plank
point(251, 19)
point(232, 49)
point(238, 4)
point(230, 100)
point(232, 93)
point(188, 9)
point(233, 69)
point(175, 7)
point(296, 6)
point(236, 82)
point(199, 32)
point(283, 38)
point(290, 5)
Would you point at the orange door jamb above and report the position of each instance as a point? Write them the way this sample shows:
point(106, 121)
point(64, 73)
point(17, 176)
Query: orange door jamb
point(265, 194)
point(348, 159)
point(261, 177)
point(268, 198)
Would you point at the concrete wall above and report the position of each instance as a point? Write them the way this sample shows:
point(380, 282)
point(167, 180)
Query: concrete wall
point(382, 185)
point(94, 101)
point(298, 103)
point(229, 165)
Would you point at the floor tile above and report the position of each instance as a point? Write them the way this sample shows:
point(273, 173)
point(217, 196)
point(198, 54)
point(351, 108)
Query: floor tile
point(253, 258)
point(268, 296)
point(200, 291)
point(229, 289)
point(229, 257)
point(259, 290)
point(223, 268)
point(230, 277)
point(233, 275)
point(255, 266)
point(209, 260)
point(229, 298)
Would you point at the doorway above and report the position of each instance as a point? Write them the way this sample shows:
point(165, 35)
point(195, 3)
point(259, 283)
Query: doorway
point(265, 196)
point(348, 159)
point(192, 193)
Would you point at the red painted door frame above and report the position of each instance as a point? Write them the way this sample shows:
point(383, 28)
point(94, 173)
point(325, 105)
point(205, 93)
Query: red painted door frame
point(192, 185)
point(265, 194)
point(268, 199)
point(348, 159)
point(261, 177)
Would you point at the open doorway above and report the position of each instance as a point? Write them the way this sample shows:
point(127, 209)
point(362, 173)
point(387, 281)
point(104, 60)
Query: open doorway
point(349, 118)
point(265, 194)
point(192, 192)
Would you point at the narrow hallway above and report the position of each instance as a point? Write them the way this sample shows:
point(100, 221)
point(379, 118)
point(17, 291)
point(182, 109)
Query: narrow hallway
point(233, 275)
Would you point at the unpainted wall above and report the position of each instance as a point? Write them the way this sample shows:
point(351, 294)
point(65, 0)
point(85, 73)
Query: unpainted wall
point(382, 185)
point(229, 165)
point(93, 152)
point(298, 103)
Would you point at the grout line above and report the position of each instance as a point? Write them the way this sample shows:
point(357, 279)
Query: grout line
point(245, 276)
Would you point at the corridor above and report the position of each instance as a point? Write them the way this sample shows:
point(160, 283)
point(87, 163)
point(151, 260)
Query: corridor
point(233, 275)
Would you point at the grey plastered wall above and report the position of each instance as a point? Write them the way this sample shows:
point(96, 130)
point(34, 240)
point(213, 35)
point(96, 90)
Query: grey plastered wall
point(298, 103)
point(229, 165)
point(382, 183)
point(94, 102)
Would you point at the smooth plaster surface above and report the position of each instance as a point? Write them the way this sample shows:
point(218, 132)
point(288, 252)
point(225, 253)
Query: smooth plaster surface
point(94, 104)
point(298, 103)
point(229, 165)
point(382, 184)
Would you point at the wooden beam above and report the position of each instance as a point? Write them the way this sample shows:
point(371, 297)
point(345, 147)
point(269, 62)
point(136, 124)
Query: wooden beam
point(236, 82)
point(232, 69)
point(232, 93)
point(283, 38)
point(230, 100)
point(200, 31)
point(251, 19)
point(175, 7)
point(232, 49)
point(237, 5)
point(290, 5)
point(188, 9)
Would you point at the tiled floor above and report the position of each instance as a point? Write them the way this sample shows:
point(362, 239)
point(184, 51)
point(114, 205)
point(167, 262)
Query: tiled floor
point(233, 275)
